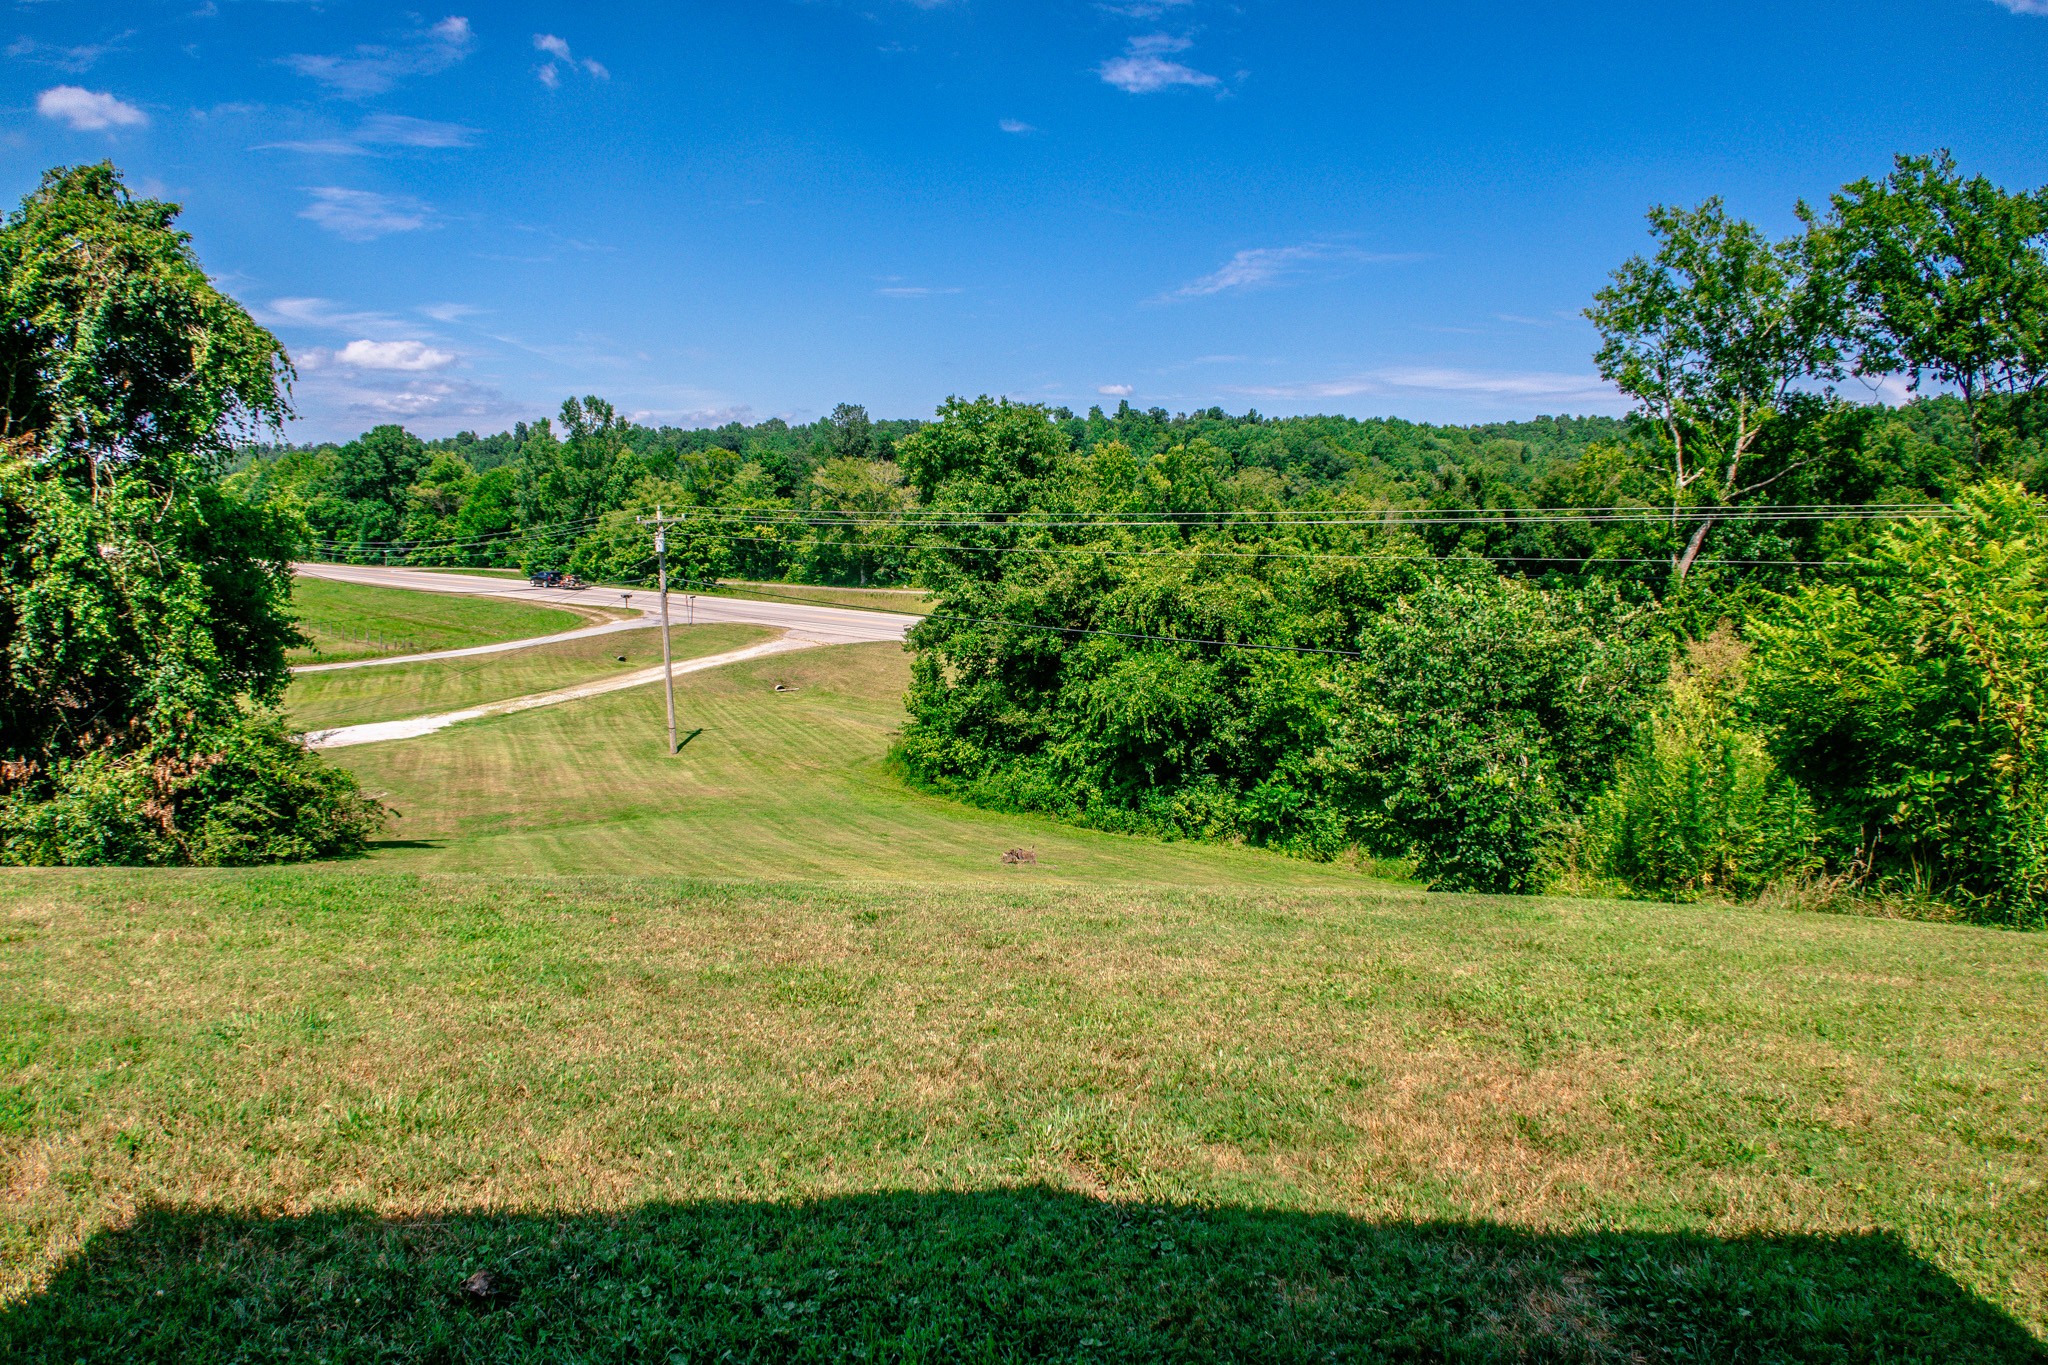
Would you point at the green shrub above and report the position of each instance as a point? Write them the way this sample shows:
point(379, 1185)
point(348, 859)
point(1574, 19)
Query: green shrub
point(254, 794)
point(1906, 700)
point(1486, 712)
point(1699, 808)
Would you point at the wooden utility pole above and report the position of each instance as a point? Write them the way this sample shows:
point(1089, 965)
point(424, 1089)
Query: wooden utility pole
point(668, 669)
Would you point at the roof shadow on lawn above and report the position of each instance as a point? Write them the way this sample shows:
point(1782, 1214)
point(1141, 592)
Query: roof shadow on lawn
point(1030, 1274)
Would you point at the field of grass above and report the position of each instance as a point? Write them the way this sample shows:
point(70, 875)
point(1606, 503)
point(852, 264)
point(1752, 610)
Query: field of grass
point(286, 1114)
point(392, 691)
point(355, 621)
point(775, 785)
point(754, 1053)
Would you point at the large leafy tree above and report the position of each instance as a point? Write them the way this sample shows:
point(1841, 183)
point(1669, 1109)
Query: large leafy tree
point(1712, 335)
point(1947, 277)
point(141, 605)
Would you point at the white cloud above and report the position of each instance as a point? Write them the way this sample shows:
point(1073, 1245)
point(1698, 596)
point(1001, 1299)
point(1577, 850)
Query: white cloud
point(913, 291)
point(384, 130)
point(1268, 265)
point(558, 48)
point(1528, 385)
point(451, 312)
point(1144, 75)
point(1143, 70)
point(1114, 390)
point(88, 110)
point(2024, 6)
point(359, 215)
point(1015, 125)
point(373, 68)
point(407, 356)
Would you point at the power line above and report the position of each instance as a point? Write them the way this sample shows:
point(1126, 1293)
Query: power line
point(1389, 518)
point(1418, 557)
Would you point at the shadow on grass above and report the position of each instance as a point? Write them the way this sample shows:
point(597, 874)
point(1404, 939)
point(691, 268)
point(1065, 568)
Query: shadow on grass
point(1028, 1274)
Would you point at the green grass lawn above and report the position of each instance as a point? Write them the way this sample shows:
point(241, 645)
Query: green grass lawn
point(283, 1115)
point(355, 621)
point(392, 691)
point(774, 785)
point(754, 1053)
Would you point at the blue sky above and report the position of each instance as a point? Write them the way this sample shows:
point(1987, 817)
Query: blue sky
point(456, 216)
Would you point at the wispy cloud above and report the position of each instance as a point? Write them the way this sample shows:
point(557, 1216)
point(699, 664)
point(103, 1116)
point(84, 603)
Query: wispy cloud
point(360, 215)
point(1526, 385)
point(88, 110)
point(914, 291)
point(1114, 390)
point(1143, 9)
point(321, 313)
point(451, 312)
point(362, 396)
point(1143, 69)
point(72, 59)
point(373, 68)
point(383, 130)
point(1015, 125)
point(550, 74)
point(1263, 266)
point(2024, 6)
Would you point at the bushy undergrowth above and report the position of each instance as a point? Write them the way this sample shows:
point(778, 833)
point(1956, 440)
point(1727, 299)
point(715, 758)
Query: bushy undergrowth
point(1698, 807)
point(253, 794)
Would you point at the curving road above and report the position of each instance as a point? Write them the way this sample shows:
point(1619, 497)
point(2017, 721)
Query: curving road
point(807, 621)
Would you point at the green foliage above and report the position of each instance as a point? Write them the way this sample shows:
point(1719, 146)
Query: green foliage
point(1948, 277)
point(142, 605)
point(118, 351)
point(1199, 677)
point(1485, 712)
point(1710, 337)
point(259, 797)
point(1906, 700)
point(1699, 808)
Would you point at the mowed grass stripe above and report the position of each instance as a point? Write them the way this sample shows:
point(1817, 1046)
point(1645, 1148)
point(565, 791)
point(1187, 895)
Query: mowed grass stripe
point(357, 621)
point(777, 785)
point(357, 696)
point(429, 1047)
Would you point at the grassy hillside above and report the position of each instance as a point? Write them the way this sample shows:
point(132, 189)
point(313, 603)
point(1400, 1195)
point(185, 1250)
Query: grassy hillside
point(392, 691)
point(774, 785)
point(353, 621)
point(283, 1115)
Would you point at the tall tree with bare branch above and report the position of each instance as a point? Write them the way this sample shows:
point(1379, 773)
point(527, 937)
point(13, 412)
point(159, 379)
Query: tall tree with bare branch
point(1712, 335)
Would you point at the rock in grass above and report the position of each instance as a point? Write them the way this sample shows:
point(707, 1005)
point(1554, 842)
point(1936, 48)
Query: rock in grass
point(487, 1289)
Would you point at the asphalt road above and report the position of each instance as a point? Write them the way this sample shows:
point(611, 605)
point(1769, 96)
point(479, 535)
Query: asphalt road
point(803, 620)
